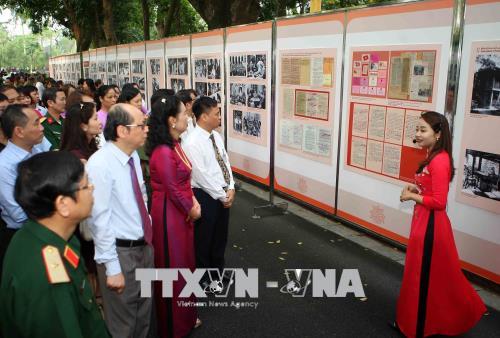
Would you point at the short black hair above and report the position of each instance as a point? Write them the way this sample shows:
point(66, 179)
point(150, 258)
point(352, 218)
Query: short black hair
point(160, 94)
point(185, 95)
point(27, 90)
point(3, 97)
point(50, 94)
point(202, 105)
point(127, 94)
point(45, 176)
point(13, 117)
point(81, 81)
point(117, 116)
point(4, 88)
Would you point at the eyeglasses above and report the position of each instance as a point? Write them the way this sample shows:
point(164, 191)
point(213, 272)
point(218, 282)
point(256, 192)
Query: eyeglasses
point(142, 126)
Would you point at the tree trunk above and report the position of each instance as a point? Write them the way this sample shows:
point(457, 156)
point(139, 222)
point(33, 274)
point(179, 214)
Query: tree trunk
point(280, 8)
point(107, 25)
point(145, 22)
point(174, 8)
point(224, 13)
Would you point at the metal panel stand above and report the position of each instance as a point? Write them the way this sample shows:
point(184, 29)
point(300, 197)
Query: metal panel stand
point(272, 208)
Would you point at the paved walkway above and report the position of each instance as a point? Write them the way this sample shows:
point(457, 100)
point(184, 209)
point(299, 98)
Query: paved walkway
point(275, 243)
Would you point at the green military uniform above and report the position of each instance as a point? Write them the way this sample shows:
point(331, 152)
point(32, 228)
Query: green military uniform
point(52, 129)
point(45, 291)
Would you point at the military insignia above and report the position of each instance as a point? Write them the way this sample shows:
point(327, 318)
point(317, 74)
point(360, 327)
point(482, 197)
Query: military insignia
point(71, 256)
point(54, 266)
point(50, 120)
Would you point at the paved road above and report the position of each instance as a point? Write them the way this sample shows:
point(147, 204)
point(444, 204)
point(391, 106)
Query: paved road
point(275, 243)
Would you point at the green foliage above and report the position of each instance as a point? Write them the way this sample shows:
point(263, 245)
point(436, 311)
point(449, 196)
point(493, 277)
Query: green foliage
point(31, 51)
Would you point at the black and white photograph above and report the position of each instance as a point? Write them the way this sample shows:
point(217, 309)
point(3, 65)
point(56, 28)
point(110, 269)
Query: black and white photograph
point(200, 88)
point(481, 174)
point(112, 79)
point(486, 86)
point(214, 91)
point(177, 84)
point(256, 66)
point(140, 82)
point(256, 96)
point(251, 124)
point(182, 66)
point(155, 84)
point(123, 68)
point(418, 70)
point(173, 68)
point(238, 121)
point(238, 94)
point(111, 66)
point(138, 66)
point(154, 65)
point(213, 69)
point(238, 65)
point(101, 67)
point(200, 69)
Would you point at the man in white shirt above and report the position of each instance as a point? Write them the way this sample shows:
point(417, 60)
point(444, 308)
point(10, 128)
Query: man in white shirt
point(187, 96)
point(212, 182)
point(120, 225)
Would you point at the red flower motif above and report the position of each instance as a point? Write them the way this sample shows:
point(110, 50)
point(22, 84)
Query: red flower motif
point(50, 120)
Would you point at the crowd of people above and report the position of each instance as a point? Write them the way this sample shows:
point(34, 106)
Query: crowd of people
point(93, 186)
point(137, 188)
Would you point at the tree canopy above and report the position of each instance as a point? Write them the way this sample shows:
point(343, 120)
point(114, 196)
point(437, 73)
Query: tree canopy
point(98, 23)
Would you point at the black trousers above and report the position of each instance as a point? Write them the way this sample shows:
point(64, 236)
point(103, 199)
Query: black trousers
point(210, 232)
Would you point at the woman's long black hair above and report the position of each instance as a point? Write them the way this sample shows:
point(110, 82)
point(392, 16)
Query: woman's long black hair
point(73, 136)
point(158, 123)
point(438, 123)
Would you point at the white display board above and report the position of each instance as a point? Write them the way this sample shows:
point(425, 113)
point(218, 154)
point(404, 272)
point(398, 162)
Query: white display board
point(111, 66)
point(248, 61)
point(138, 66)
point(123, 64)
point(177, 62)
point(155, 64)
point(308, 69)
point(93, 64)
point(101, 65)
point(472, 207)
point(86, 64)
point(207, 65)
point(379, 37)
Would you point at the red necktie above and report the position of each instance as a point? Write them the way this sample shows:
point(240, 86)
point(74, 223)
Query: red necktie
point(146, 221)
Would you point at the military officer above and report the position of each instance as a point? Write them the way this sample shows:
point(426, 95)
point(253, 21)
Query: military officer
point(44, 290)
point(55, 101)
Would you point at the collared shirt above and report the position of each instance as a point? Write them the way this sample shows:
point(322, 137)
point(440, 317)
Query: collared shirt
point(115, 213)
point(190, 127)
point(12, 213)
point(207, 174)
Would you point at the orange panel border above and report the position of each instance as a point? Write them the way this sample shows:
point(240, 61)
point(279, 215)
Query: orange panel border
point(214, 32)
point(399, 9)
point(311, 19)
point(256, 178)
point(478, 2)
point(398, 238)
point(176, 38)
point(138, 43)
point(252, 27)
point(303, 198)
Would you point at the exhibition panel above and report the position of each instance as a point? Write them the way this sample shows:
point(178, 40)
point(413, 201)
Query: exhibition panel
point(474, 203)
point(178, 65)
point(248, 79)
point(138, 65)
point(308, 92)
point(155, 67)
point(207, 50)
point(101, 65)
point(86, 64)
point(123, 60)
point(396, 67)
point(93, 64)
point(111, 66)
